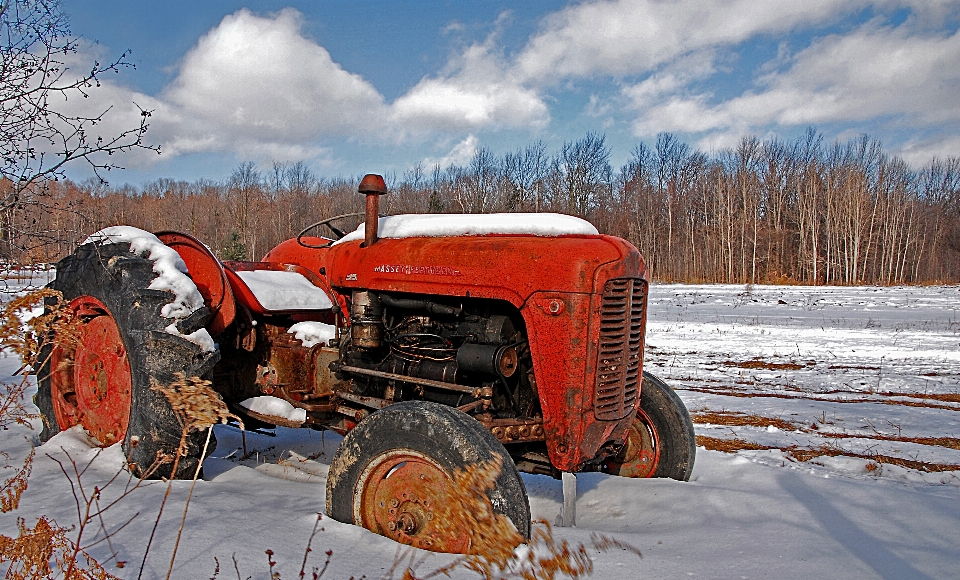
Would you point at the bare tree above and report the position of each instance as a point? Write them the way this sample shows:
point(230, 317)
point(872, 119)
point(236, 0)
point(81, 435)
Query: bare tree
point(38, 138)
point(580, 173)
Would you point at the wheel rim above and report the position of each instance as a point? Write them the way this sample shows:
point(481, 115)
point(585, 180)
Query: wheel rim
point(640, 454)
point(91, 383)
point(397, 496)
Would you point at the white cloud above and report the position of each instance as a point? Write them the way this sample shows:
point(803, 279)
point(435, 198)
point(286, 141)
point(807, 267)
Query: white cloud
point(456, 104)
point(624, 37)
point(672, 78)
point(460, 154)
point(256, 87)
point(871, 73)
point(919, 152)
point(257, 78)
point(475, 92)
point(253, 86)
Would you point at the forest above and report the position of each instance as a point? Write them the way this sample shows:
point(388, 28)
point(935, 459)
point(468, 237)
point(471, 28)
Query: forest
point(799, 211)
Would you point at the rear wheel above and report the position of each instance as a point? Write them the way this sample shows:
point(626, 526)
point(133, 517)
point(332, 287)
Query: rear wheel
point(661, 442)
point(102, 380)
point(393, 473)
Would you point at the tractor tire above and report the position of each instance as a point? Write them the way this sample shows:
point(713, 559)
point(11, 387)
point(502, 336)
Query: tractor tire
point(661, 442)
point(399, 459)
point(103, 381)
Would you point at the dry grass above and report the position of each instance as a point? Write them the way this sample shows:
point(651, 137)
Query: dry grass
point(860, 397)
point(945, 397)
point(31, 553)
point(55, 322)
point(758, 363)
point(804, 454)
point(13, 487)
point(830, 451)
point(948, 442)
point(13, 412)
point(493, 552)
point(728, 445)
point(197, 406)
point(736, 419)
point(195, 403)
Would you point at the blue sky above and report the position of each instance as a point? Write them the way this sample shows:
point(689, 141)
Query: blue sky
point(351, 87)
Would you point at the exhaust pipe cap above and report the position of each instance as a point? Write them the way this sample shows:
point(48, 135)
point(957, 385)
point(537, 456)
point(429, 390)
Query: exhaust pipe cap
point(372, 183)
point(373, 186)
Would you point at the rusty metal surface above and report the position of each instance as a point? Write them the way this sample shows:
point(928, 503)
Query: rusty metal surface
point(371, 402)
point(472, 391)
point(557, 285)
point(622, 311)
point(91, 383)
point(324, 381)
point(207, 273)
point(640, 454)
point(504, 267)
point(515, 430)
point(372, 183)
point(274, 420)
point(398, 496)
point(373, 187)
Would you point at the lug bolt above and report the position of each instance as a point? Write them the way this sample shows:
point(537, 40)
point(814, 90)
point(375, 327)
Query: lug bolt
point(392, 525)
point(407, 523)
point(394, 502)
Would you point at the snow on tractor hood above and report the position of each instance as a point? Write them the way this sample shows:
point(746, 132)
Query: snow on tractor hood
point(439, 225)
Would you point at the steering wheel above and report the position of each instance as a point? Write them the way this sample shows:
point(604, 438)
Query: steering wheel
point(336, 231)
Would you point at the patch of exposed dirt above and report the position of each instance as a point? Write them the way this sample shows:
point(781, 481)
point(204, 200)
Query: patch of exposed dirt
point(737, 419)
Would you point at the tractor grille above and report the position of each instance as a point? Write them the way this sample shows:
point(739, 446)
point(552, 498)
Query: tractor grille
point(619, 352)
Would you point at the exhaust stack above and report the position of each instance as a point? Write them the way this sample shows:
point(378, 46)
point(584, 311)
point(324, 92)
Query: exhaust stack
point(373, 187)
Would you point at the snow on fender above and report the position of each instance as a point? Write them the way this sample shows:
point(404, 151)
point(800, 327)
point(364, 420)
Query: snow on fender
point(171, 277)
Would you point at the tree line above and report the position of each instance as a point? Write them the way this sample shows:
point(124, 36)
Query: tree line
point(801, 211)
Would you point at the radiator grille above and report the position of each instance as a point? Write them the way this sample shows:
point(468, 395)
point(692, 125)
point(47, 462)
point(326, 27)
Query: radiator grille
point(620, 345)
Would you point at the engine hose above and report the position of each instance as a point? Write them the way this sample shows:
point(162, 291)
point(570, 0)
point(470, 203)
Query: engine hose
point(414, 304)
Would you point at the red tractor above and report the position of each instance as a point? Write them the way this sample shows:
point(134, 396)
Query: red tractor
point(430, 342)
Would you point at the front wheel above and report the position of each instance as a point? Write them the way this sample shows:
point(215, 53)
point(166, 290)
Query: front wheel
point(661, 442)
point(393, 474)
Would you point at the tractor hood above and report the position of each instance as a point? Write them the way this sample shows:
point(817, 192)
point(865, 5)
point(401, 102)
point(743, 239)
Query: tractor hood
point(503, 267)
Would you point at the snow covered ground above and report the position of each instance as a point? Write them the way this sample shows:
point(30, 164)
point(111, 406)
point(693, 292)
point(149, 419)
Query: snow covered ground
point(864, 380)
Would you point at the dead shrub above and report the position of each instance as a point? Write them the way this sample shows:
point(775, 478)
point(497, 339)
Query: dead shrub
point(32, 552)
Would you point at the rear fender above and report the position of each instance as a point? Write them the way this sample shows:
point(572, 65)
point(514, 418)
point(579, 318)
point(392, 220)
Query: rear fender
point(208, 274)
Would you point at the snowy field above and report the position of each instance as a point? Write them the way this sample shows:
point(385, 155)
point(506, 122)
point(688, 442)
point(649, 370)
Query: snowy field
point(840, 406)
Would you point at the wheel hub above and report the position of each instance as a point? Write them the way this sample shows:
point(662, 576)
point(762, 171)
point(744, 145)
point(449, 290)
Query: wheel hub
point(399, 496)
point(640, 454)
point(91, 380)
